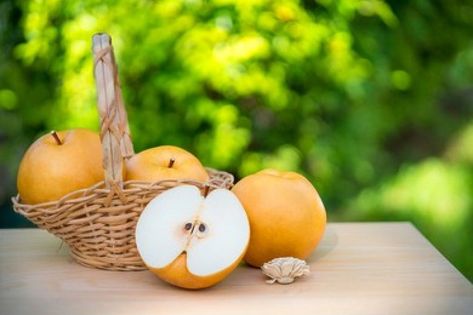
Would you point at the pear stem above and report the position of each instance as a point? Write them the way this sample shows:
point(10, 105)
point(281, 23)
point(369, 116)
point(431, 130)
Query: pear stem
point(171, 162)
point(56, 137)
point(206, 190)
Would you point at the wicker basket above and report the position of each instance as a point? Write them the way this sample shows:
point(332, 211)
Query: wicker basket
point(98, 223)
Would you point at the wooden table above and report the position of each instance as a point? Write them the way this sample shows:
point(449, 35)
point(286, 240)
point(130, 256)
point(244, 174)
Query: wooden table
point(359, 268)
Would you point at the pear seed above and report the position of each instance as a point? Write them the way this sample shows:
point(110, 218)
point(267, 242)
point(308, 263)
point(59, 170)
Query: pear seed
point(188, 226)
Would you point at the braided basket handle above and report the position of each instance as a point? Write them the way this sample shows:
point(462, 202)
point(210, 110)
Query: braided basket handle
point(114, 130)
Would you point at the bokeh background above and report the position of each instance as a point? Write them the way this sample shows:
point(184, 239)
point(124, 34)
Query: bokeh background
point(372, 100)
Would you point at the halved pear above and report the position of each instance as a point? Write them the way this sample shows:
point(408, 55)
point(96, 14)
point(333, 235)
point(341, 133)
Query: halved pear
point(190, 240)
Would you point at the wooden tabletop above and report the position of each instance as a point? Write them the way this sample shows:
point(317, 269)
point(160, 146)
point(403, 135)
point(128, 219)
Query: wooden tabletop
point(359, 268)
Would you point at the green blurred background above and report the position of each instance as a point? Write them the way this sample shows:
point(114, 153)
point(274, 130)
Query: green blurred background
point(372, 100)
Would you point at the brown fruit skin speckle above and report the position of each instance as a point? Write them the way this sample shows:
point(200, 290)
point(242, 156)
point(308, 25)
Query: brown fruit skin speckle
point(287, 216)
point(49, 170)
point(165, 162)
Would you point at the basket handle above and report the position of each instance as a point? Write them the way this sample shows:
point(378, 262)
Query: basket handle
point(114, 129)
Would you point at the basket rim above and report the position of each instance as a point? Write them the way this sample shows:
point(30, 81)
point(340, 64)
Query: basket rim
point(129, 186)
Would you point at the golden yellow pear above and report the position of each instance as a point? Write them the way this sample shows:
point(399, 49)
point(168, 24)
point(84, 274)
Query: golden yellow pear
point(165, 162)
point(287, 216)
point(192, 240)
point(59, 163)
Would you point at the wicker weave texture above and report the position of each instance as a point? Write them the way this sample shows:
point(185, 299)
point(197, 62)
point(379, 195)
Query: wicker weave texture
point(99, 225)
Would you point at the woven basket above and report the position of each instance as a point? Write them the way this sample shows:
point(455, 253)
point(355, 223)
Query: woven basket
point(98, 223)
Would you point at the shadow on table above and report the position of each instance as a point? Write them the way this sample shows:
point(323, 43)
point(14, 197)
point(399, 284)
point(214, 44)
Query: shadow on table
point(328, 243)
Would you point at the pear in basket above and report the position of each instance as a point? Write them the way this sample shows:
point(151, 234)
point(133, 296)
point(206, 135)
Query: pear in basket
point(59, 163)
point(165, 162)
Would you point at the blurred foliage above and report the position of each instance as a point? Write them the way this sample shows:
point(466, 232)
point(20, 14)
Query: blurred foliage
point(370, 99)
point(436, 196)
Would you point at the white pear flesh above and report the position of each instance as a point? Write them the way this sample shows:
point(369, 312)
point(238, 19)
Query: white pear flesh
point(161, 236)
point(159, 231)
point(227, 237)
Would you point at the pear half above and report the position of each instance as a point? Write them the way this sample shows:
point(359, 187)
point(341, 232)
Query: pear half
point(192, 241)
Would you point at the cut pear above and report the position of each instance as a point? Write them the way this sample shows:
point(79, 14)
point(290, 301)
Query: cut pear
point(210, 233)
point(160, 235)
point(226, 236)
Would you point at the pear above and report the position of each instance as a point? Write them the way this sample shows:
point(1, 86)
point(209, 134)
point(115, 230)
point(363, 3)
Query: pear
point(59, 163)
point(165, 162)
point(191, 240)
